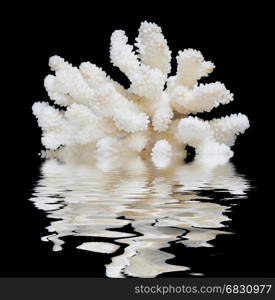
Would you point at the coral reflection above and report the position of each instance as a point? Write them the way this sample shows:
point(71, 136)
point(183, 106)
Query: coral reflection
point(157, 206)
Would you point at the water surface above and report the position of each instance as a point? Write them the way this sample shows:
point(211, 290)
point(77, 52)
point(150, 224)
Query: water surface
point(137, 213)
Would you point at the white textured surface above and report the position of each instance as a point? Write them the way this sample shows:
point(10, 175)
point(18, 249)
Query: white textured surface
point(98, 118)
point(161, 154)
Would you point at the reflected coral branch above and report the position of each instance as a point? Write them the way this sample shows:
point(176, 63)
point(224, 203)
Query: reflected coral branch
point(160, 206)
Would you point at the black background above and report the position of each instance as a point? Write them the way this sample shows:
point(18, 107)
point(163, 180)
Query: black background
point(238, 41)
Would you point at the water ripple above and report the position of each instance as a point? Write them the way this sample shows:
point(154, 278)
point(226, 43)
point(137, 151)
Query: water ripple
point(184, 204)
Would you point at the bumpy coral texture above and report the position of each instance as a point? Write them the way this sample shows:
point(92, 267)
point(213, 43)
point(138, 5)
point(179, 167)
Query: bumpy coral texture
point(99, 120)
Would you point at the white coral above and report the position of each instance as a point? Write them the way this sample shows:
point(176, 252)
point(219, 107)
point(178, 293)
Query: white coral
point(202, 98)
point(152, 47)
point(227, 128)
point(191, 67)
point(194, 131)
point(161, 154)
point(100, 120)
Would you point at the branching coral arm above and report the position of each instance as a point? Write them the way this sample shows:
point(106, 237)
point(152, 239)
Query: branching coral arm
point(52, 123)
point(161, 153)
point(48, 117)
point(193, 131)
point(122, 54)
point(145, 81)
point(57, 92)
point(191, 68)
point(162, 118)
point(81, 120)
point(96, 78)
point(148, 83)
point(202, 98)
point(152, 47)
point(226, 129)
point(198, 134)
point(101, 119)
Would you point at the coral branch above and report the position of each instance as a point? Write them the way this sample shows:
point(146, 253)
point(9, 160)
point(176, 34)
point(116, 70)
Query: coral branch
point(122, 55)
point(161, 154)
point(227, 128)
point(194, 131)
point(99, 120)
point(152, 47)
point(202, 98)
point(191, 67)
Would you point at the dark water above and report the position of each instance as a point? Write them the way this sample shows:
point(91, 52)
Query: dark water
point(141, 221)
